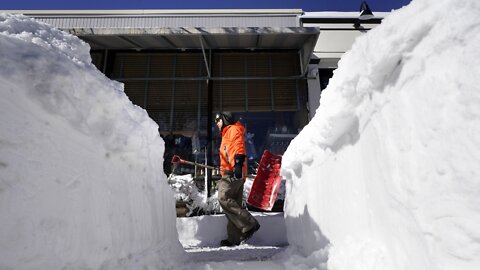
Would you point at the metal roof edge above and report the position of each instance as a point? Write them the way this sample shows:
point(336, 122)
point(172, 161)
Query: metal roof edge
point(339, 15)
point(195, 31)
point(143, 12)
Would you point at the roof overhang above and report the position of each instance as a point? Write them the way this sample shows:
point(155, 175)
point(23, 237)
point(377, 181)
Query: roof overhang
point(197, 37)
point(302, 39)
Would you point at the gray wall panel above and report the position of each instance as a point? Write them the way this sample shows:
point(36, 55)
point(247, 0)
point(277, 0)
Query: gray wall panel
point(68, 22)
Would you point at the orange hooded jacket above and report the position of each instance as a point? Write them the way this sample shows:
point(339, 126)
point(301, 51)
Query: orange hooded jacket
point(233, 143)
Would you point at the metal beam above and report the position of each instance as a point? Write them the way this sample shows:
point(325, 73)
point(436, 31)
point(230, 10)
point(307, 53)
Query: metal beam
point(205, 57)
point(300, 76)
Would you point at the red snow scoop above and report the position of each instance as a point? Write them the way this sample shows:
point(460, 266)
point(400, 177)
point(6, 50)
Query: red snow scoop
point(267, 182)
point(177, 160)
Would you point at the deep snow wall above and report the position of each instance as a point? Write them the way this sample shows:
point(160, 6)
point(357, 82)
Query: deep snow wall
point(81, 178)
point(386, 175)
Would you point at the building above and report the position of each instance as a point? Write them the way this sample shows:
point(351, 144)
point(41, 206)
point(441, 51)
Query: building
point(268, 67)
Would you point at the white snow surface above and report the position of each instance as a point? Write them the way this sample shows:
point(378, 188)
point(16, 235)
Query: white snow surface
point(80, 182)
point(387, 174)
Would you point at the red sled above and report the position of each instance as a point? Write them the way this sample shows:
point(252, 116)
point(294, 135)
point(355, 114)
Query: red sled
point(266, 183)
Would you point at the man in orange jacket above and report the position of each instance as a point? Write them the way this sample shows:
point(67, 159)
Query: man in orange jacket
point(241, 224)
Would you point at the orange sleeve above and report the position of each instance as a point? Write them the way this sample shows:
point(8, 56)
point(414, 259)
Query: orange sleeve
point(238, 144)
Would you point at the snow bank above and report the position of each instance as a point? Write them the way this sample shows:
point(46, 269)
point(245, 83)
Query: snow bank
point(81, 177)
point(387, 174)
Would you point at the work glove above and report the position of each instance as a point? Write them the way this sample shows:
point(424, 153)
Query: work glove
point(238, 168)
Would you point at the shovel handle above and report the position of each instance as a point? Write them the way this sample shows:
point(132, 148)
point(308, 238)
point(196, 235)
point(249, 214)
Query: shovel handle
point(177, 160)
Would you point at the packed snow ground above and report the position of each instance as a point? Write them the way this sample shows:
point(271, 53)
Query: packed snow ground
point(386, 175)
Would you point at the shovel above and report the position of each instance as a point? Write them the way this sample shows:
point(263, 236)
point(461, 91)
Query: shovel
point(177, 160)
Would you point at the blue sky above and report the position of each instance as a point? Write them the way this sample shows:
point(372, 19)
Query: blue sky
point(306, 5)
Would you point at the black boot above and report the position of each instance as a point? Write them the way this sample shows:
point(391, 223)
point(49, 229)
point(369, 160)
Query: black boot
point(226, 243)
point(249, 233)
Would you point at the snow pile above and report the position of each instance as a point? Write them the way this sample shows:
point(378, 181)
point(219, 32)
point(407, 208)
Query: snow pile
point(387, 174)
point(81, 177)
point(186, 191)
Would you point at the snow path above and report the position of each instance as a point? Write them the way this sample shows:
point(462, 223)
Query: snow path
point(200, 236)
point(240, 253)
point(239, 257)
point(209, 230)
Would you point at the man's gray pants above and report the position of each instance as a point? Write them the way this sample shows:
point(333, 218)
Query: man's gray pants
point(240, 221)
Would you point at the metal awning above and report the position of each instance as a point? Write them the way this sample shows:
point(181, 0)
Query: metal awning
point(190, 37)
point(302, 39)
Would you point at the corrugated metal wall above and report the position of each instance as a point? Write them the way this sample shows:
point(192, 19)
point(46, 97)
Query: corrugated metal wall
point(232, 20)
